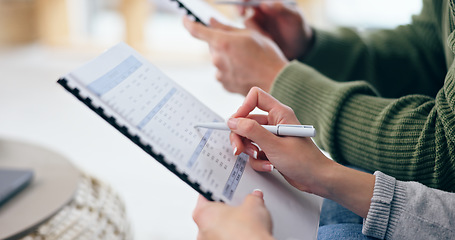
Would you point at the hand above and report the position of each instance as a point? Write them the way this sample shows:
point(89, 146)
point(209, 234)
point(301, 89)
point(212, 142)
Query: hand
point(244, 58)
point(251, 220)
point(285, 25)
point(298, 159)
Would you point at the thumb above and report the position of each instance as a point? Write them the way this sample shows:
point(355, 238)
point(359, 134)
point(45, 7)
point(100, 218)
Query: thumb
point(251, 129)
point(255, 198)
point(198, 30)
point(250, 23)
point(258, 193)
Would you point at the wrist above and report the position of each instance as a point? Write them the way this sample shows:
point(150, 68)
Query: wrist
point(267, 85)
point(351, 188)
point(325, 179)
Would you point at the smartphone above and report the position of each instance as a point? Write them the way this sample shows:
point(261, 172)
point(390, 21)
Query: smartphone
point(201, 11)
point(12, 181)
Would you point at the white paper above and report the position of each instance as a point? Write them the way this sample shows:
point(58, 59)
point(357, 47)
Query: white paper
point(163, 114)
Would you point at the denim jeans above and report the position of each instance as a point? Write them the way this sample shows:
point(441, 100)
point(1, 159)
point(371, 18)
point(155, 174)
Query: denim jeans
point(337, 222)
point(345, 231)
point(334, 213)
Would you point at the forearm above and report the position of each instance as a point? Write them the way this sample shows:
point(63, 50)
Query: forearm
point(402, 137)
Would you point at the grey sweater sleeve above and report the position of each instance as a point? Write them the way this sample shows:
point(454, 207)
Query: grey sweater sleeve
point(409, 210)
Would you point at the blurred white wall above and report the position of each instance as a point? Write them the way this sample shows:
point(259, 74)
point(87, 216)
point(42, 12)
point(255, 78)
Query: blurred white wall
point(371, 13)
point(100, 22)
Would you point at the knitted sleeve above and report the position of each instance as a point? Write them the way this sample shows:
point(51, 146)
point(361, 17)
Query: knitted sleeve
point(407, 60)
point(411, 138)
point(409, 210)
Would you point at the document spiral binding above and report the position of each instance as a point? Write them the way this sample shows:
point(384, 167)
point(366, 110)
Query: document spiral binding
point(124, 130)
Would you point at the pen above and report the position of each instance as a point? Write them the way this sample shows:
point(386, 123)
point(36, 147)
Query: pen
point(280, 129)
point(254, 3)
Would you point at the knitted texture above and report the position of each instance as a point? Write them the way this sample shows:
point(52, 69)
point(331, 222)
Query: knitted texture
point(409, 210)
point(387, 205)
point(96, 212)
point(410, 136)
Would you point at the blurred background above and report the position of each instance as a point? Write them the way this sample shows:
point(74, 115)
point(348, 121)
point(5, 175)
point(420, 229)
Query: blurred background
point(42, 40)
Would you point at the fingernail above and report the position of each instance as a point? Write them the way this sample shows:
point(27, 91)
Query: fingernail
point(268, 167)
point(235, 151)
point(258, 192)
point(232, 123)
point(252, 152)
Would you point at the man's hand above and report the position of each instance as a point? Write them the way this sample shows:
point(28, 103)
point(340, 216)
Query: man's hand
point(285, 25)
point(217, 221)
point(244, 58)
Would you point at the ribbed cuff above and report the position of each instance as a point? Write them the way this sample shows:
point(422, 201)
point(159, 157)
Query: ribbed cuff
point(386, 206)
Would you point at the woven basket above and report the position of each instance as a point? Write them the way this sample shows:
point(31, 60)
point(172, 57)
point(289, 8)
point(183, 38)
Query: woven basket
point(96, 212)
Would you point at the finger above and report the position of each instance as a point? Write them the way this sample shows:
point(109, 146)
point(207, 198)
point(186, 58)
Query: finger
point(257, 98)
point(242, 9)
point(252, 130)
point(218, 25)
point(274, 8)
point(253, 150)
point(254, 199)
point(253, 25)
point(236, 143)
point(261, 165)
point(260, 118)
point(250, 149)
point(258, 193)
point(198, 30)
point(250, 23)
point(222, 78)
point(201, 204)
point(219, 76)
point(256, 20)
point(262, 156)
point(220, 61)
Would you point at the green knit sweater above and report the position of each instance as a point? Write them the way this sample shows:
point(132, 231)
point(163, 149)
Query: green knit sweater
point(400, 118)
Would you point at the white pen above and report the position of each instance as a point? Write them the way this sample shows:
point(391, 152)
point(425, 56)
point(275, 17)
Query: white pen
point(280, 129)
point(253, 3)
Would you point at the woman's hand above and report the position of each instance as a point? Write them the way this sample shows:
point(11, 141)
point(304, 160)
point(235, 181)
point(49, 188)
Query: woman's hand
point(251, 220)
point(244, 58)
point(298, 159)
